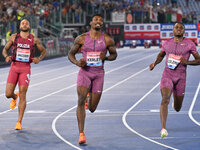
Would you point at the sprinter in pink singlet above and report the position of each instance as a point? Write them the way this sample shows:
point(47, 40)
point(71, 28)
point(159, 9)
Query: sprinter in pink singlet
point(94, 45)
point(22, 55)
point(177, 51)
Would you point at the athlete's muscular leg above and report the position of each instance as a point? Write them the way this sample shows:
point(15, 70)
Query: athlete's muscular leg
point(93, 102)
point(22, 101)
point(166, 94)
point(178, 100)
point(80, 112)
point(10, 88)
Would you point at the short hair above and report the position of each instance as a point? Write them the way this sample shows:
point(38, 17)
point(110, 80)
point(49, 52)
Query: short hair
point(96, 15)
point(179, 23)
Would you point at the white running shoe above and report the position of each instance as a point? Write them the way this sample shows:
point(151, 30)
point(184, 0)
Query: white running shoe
point(163, 133)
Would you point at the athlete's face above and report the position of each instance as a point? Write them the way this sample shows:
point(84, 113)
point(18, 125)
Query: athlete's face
point(178, 30)
point(97, 23)
point(24, 26)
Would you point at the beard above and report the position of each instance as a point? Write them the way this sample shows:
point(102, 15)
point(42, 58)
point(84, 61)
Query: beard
point(25, 30)
point(97, 29)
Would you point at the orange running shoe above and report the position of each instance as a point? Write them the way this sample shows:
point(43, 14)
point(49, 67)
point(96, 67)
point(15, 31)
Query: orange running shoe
point(13, 102)
point(86, 101)
point(82, 139)
point(18, 126)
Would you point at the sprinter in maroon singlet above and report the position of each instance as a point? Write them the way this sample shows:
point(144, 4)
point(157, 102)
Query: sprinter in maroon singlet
point(177, 51)
point(22, 55)
point(94, 45)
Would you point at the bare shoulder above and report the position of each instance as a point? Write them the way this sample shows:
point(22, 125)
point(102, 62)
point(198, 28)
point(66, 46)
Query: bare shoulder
point(80, 39)
point(109, 41)
point(36, 40)
point(13, 36)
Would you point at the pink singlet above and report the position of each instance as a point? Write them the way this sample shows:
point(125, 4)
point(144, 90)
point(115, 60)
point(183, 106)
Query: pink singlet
point(92, 76)
point(174, 75)
point(23, 51)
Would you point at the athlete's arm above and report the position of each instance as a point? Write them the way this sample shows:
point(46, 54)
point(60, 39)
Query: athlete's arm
point(7, 47)
point(196, 60)
point(159, 58)
point(42, 50)
point(110, 44)
point(78, 42)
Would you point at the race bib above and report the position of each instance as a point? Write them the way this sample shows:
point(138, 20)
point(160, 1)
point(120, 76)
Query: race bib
point(173, 61)
point(93, 59)
point(23, 55)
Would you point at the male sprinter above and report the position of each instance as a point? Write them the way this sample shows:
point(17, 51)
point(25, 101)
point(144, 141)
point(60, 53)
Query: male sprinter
point(22, 55)
point(177, 51)
point(94, 45)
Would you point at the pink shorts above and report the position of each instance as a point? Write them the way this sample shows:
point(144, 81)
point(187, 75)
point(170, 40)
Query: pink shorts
point(174, 81)
point(19, 73)
point(93, 80)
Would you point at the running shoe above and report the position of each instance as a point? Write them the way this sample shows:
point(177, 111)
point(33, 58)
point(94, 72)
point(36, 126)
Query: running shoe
point(18, 126)
point(87, 101)
point(82, 139)
point(163, 133)
point(13, 102)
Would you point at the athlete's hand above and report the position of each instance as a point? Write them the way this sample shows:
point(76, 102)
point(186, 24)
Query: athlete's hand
point(35, 60)
point(81, 62)
point(183, 61)
point(8, 59)
point(151, 67)
point(102, 56)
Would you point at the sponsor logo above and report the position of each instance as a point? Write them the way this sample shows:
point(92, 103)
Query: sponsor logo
point(171, 34)
point(193, 34)
point(99, 42)
point(148, 27)
point(167, 27)
point(164, 34)
point(30, 40)
point(134, 27)
point(156, 27)
point(126, 27)
point(142, 27)
point(186, 34)
point(190, 26)
point(23, 45)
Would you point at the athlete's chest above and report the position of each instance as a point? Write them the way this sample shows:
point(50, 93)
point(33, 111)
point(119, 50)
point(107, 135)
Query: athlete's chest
point(94, 45)
point(177, 48)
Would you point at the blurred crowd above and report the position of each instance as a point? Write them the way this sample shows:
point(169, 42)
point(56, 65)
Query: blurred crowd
point(151, 10)
point(12, 10)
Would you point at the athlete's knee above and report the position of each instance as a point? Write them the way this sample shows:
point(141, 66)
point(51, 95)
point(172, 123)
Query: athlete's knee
point(81, 100)
point(9, 94)
point(165, 100)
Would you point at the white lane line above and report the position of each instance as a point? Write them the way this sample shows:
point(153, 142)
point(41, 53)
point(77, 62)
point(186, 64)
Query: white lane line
point(77, 72)
point(58, 91)
point(127, 126)
point(66, 67)
point(46, 81)
point(40, 98)
point(130, 63)
point(36, 74)
point(56, 132)
point(192, 106)
point(54, 121)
